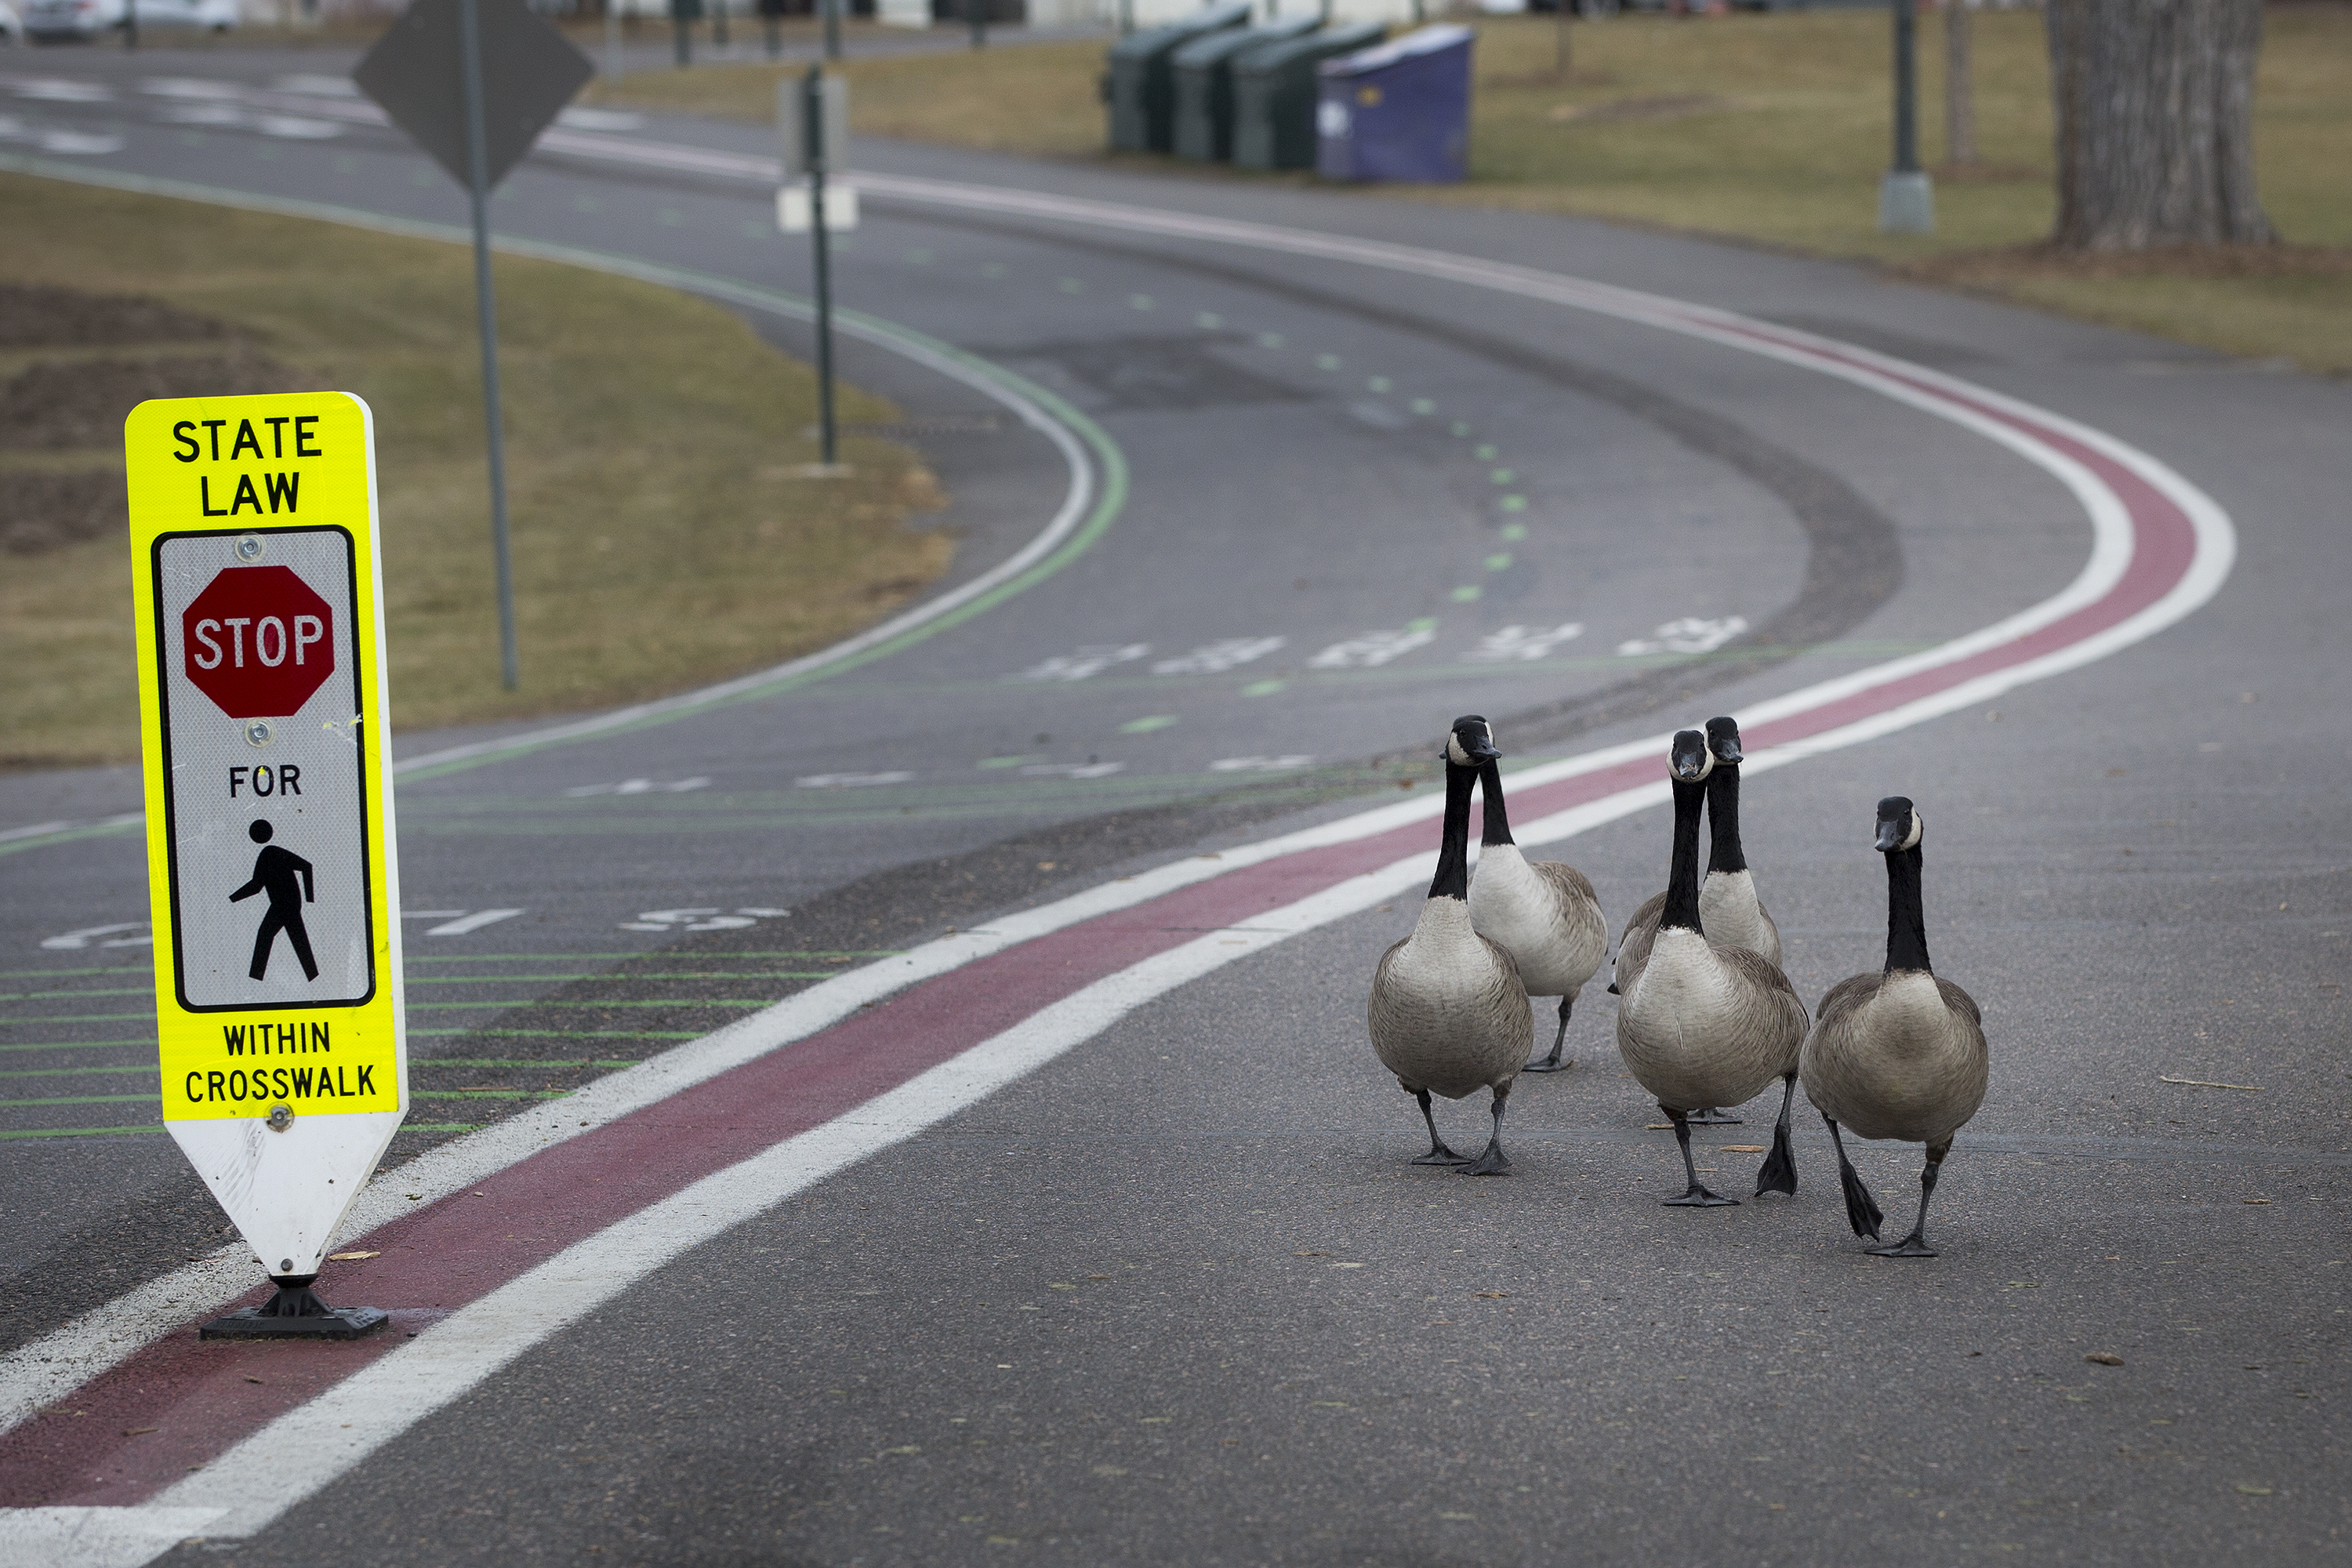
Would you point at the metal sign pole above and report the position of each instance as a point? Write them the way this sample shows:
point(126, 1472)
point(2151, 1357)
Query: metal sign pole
point(813, 117)
point(832, 29)
point(612, 39)
point(1906, 88)
point(478, 187)
point(976, 12)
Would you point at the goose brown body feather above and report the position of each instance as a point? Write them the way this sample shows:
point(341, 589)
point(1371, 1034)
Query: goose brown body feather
point(1700, 1026)
point(1448, 1013)
point(1899, 1054)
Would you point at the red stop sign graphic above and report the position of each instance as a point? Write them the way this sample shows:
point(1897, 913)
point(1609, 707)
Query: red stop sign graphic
point(258, 641)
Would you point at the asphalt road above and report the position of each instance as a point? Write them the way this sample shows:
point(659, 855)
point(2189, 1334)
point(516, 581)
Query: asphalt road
point(1175, 1296)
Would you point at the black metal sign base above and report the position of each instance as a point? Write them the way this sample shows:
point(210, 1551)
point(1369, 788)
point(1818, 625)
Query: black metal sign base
point(294, 1313)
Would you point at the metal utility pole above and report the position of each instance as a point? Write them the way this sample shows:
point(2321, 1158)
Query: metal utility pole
point(612, 40)
point(718, 23)
point(820, 157)
point(477, 189)
point(832, 29)
point(679, 14)
point(1959, 87)
point(1907, 200)
point(976, 13)
point(130, 24)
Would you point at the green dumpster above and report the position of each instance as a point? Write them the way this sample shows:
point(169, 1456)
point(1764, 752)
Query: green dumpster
point(1275, 95)
point(1204, 85)
point(1139, 85)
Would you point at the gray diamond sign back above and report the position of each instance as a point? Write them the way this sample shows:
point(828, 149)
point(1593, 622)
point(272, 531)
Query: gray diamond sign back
point(529, 71)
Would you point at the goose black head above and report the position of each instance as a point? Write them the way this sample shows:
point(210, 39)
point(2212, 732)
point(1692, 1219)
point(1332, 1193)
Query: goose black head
point(1898, 825)
point(1689, 757)
point(1723, 740)
point(1471, 742)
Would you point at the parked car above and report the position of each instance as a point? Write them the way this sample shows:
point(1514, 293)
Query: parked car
point(58, 21)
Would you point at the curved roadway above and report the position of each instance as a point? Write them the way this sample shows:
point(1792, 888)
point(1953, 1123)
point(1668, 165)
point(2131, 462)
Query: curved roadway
point(1123, 1263)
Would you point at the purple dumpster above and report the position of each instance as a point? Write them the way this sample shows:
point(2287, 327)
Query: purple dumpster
point(1399, 111)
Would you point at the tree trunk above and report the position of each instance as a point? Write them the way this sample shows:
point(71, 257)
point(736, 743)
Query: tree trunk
point(2155, 122)
point(1960, 87)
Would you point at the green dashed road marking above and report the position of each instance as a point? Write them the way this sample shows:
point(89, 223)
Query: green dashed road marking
point(1326, 362)
point(81, 1131)
point(62, 974)
point(1377, 383)
point(1208, 320)
point(609, 1062)
point(1263, 688)
point(1515, 531)
point(1007, 762)
point(676, 1002)
point(75, 1072)
point(1512, 503)
point(76, 1044)
point(627, 975)
point(1467, 594)
point(45, 996)
point(488, 1093)
point(1270, 340)
point(1144, 726)
point(562, 1033)
point(579, 957)
point(82, 1018)
point(1498, 562)
point(82, 1099)
point(1423, 405)
point(1502, 475)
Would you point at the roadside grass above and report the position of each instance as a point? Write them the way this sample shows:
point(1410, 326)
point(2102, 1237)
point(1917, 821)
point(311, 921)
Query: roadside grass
point(1767, 128)
point(662, 534)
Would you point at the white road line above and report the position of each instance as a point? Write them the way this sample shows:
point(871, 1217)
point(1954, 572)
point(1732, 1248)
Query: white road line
point(473, 922)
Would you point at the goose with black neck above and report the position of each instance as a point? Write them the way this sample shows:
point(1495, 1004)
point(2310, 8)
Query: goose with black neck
point(1698, 1025)
point(1545, 914)
point(1898, 1054)
point(1448, 1013)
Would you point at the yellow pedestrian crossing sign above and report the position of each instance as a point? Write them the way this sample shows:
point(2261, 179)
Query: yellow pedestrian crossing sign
point(271, 871)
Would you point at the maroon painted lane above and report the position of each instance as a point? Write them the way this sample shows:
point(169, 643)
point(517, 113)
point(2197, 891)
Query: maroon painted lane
point(180, 1402)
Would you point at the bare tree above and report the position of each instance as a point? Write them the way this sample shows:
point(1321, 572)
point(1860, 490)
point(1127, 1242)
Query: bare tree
point(1959, 87)
point(2155, 122)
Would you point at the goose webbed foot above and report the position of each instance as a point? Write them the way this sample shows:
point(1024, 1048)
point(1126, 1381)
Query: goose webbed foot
point(1861, 1209)
point(1493, 1162)
point(1711, 1117)
point(1552, 1063)
point(1915, 1244)
point(1439, 1154)
point(1694, 1195)
point(1778, 1172)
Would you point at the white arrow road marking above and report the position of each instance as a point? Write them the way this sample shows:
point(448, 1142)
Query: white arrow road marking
point(1372, 649)
point(1523, 642)
point(853, 781)
point(74, 941)
point(473, 922)
point(1689, 634)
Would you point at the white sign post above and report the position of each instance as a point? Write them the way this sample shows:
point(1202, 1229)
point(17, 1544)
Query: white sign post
point(280, 1026)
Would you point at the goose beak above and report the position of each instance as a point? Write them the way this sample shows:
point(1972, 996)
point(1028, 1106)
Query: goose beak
point(1481, 752)
point(1895, 822)
point(1723, 740)
point(1689, 758)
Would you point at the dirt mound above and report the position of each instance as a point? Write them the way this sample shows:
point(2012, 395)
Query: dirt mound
point(65, 404)
point(35, 317)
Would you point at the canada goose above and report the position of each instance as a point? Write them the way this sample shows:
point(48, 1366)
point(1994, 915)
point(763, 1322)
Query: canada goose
point(1901, 1053)
point(1727, 905)
point(1699, 1024)
point(1727, 898)
point(1546, 915)
point(1448, 1014)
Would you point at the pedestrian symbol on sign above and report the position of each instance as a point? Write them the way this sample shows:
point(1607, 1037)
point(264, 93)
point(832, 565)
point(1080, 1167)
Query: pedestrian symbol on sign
point(286, 877)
